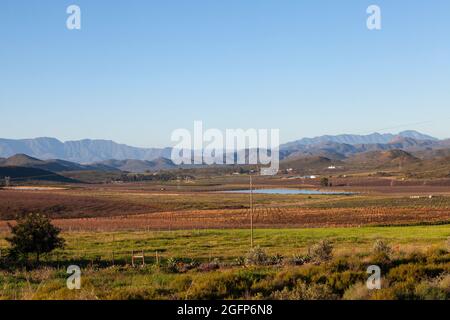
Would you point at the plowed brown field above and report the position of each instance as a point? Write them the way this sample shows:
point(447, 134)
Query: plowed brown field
point(263, 218)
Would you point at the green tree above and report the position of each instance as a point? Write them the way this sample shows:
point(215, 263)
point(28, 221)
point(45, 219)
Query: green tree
point(324, 182)
point(34, 234)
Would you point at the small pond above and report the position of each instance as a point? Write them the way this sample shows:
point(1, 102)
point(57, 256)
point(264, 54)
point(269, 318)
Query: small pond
point(292, 191)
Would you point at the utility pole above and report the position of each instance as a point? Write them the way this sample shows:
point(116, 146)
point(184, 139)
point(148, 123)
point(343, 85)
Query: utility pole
point(251, 211)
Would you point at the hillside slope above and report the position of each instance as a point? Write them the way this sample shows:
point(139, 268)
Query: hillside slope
point(22, 174)
point(54, 165)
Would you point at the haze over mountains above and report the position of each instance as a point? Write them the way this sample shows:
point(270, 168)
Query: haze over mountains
point(82, 151)
point(361, 139)
point(408, 150)
point(91, 151)
point(373, 150)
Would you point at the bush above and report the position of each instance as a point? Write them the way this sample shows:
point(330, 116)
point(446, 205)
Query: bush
point(303, 291)
point(444, 283)
point(173, 264)
point(321, 251)
point(381, 248)
point(341, 281)
point(432, 290)
point(132, 294)
point(276, 259)
point(209, 266)
point(256, 256)
point(298, 260)
point(185, 266)
point(438, 255)
point(358, 291)
point(381, 253)
point(239, 261)
point(226, 284)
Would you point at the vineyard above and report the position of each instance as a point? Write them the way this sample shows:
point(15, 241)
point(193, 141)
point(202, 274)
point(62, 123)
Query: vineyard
point(113, 209)
point(195, 239)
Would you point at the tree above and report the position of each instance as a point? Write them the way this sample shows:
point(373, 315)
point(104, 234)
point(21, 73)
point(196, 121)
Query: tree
point(324, 182)
point(34, 234)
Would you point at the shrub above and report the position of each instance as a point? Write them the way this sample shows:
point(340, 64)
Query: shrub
point(298, 259)
point(239, 261)
point(321, 251)
point(303, 291)
point(444, 283)
point(412, 273)
point(135, 293)
point(434, 289)
point(256, 256)
point(438, 255)
point(276, 259)
point(384, 294)
point(224, 285)
point(209, 266)
point(172, 264)
point(416, 257)
point(358, 291)
point(427, 291)
point(341, 281)
point(381, 253)
point(381, 248)
point(185, 266)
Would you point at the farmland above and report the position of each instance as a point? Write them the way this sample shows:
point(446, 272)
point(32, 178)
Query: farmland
point(203, 205)
point(205, 264)
point(196, 237)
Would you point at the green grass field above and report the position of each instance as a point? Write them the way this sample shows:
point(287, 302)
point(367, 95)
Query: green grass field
point(229, 244)
point(419, 266)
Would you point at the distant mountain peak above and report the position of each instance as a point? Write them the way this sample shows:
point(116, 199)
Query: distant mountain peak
point(133, 165)
point(355, 139)
point(416, 135)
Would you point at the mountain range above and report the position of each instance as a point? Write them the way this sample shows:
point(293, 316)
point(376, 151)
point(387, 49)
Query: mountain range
point(353, 139)
point(93, 151)
point(410, 150)
point(81, 151)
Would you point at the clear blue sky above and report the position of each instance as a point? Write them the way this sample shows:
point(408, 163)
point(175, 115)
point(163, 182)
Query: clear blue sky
point(139, 69)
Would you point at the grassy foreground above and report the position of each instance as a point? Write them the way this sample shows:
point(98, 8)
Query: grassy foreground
point(208, 264)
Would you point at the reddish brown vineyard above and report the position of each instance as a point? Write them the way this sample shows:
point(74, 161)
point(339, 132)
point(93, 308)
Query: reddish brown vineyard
point(64, 204)
point(124, 208)
point(263, 218)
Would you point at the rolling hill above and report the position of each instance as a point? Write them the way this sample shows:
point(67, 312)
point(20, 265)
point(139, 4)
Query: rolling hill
point(139, 166)
point(309, 164)
point(53, 165)
point(23, 174)
point(383, 159)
